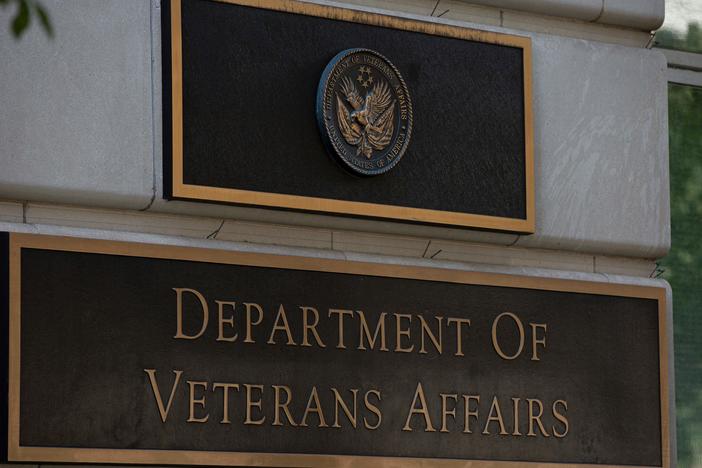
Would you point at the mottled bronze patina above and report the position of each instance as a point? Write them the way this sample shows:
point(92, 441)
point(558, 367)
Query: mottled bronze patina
point(364, 112)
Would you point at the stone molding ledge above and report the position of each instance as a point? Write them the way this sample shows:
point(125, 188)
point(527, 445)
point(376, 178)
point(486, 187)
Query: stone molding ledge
point(645, 15)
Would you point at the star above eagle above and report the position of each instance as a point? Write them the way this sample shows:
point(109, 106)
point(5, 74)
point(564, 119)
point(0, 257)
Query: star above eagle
point(371, 123)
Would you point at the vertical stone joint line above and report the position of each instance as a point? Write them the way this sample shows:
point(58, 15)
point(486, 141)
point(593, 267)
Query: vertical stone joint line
point(213, 234)
point(426, 249)
point(153, 111)
point(602, 10)
point(436, 5)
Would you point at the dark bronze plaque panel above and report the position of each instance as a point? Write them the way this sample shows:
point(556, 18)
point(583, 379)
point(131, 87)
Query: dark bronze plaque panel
point(94, 339)
point(240, 86)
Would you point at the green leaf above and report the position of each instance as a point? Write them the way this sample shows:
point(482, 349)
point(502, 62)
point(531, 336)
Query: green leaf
point(44, 19)
point(21, 20)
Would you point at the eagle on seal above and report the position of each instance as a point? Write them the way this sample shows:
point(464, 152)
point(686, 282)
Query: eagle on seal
point(371, 123)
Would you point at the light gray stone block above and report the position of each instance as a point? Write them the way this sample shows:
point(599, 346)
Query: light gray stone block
point(75, 110)
point(262, 233)
point(645, 15)
point(11, 212)
point(625, 266)
point(161, 239)
point(584, 10)
point(121, 220)
point(85, 128)
point(642, 14)
point(600, 135)
point(601, 144)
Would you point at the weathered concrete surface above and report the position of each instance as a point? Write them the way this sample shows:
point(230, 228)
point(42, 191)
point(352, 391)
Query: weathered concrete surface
point(75, 111)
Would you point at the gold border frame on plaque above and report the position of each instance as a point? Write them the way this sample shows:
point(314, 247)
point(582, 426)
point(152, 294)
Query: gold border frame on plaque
point(179, 189)
point(18, 453)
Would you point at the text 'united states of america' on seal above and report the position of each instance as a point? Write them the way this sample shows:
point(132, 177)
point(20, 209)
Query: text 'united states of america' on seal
point(364, 112)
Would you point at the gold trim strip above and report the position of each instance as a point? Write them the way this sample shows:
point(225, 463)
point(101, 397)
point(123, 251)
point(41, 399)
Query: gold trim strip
point(327, 205)
point(14, 332)
point(17, 453)
point(664, 377)
point(176, 95)
point(271, 460)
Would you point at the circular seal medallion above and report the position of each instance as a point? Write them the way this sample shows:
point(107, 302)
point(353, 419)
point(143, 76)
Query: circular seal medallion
point(364, 112)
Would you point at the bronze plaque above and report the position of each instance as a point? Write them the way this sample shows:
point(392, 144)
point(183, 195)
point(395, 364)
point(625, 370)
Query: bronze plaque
point(298, 106)
point(132, 353)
